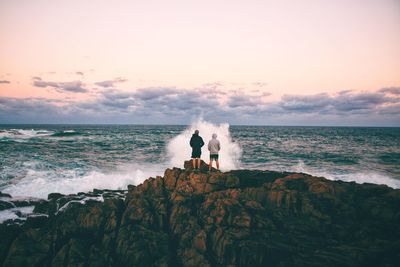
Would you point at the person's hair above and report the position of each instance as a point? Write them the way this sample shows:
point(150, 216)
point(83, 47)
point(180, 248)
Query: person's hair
point(196, 132)
point(214, 135)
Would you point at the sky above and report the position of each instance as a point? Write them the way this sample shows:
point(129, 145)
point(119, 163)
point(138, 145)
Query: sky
point(257, 62)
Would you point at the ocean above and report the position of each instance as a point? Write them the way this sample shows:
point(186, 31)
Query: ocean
point(36, 160)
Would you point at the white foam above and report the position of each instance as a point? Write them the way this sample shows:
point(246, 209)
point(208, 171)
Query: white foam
point(179, 149)
point(34, 133)
point(12, 213)
point(7, 215)
point(358, 177)
point(82, 202)
point(41, 183)
point(24, 134)
point(38, 181)
point(364, 177)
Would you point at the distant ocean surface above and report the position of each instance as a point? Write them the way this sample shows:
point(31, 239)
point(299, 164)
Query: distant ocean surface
point(36, 160)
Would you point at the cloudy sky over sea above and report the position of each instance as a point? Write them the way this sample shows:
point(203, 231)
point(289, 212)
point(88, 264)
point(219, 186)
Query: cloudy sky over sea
point(242, 62)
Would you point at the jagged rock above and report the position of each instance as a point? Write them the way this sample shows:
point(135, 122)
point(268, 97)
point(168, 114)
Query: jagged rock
point(5, 195)
point(6, 205)
point(237, 218)
point(188, 165)
point(54, 196)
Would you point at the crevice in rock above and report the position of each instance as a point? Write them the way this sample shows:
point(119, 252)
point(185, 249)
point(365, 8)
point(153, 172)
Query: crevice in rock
point(66, 258)
point(51, 253)
point(113, 242)
point(6, 252)
point(209, 253)
point(278, 223)
point(172, 242)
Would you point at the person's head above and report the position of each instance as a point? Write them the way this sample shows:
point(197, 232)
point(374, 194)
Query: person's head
point(214, 136)
point(196, 132)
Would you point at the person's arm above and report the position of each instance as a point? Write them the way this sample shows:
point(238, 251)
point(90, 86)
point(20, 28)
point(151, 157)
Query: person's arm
point(201, 142)
point(191, 142)
point(219, 146)
point(209, 146)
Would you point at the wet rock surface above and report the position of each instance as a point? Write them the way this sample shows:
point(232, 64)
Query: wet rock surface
point(188, 218)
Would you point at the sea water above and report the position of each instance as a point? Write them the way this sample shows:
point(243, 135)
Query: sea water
point(36, 160)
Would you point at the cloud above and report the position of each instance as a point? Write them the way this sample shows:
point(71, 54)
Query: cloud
point(308, 103)
point(260, 84)
point(43, 84)
point(391, 90)
point(26, 110)
point(110, 83)
point(244, 101)
point(360, 101)
point(154, 93)
point(155, 102)
point(212, 86)
point(166, 105)
point(4, 81)
point(344, 92)
point(73, 86)
point(79, 73)
point(347, 102)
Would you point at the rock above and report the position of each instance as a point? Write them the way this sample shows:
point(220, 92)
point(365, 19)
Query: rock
point(25, 202)
point(237, 218)
point(29, 248)
point(188, 165)
point(6, 205)
point(5, 195)
point(54, 196)
point(42, 207)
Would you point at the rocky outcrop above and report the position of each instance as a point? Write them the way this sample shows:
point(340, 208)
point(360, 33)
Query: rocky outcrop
point(236, 218)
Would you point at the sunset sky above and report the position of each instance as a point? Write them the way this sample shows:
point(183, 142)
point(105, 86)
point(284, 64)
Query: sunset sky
point(311, 62)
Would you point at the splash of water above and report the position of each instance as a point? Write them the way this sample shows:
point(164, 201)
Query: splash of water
point(40, 183)
point(179, 149)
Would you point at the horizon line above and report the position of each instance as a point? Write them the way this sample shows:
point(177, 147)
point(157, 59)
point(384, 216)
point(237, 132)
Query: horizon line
point(161, 124)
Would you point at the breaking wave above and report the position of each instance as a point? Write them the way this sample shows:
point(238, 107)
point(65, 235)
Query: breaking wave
point(40, 183)
point(65, 133)
point(113, 157)
point(23, 134)
point(179, 149)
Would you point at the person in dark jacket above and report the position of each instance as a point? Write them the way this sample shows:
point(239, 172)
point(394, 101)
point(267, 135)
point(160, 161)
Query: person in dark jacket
point(196, 142)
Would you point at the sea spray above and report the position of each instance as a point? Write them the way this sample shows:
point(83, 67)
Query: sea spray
point(179, 149)
point(40, 180)
point(41, 183)
point(359, 177)
point(35, 163)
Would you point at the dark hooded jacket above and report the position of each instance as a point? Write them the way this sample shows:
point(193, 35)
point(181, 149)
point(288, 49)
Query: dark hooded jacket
point(196, 142)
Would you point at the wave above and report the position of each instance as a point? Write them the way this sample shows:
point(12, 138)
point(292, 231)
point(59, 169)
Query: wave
point(39, 178)
point(179, 150)
point(40, 183)
point(23, 133)
point(11, 214)
point(360, 177)
point(365, 177)
point(66, 133)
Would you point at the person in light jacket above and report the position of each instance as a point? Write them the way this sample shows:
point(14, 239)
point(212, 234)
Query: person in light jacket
point(214, 147)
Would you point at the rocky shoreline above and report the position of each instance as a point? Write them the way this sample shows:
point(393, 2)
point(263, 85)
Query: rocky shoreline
point(187, 218)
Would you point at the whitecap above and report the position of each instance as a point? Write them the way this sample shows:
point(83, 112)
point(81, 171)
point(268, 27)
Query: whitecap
point(179, 149)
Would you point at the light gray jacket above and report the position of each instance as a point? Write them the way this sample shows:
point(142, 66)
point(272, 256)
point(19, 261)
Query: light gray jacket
point(214, 146)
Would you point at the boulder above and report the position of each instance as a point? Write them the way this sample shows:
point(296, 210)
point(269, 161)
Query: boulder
point(201, 218)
